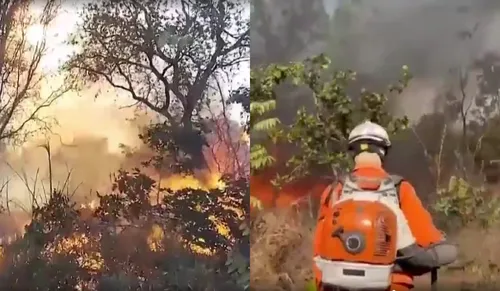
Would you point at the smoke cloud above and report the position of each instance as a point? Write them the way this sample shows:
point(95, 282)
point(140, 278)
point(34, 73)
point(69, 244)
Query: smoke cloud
point(376, 38)
point(431, 37)
point(434, 38)
point(84, 141)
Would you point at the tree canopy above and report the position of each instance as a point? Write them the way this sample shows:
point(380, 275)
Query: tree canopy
point(167, 56)
point(162, 54)
point(170, 58)
point(320, 136)
point(127, 242)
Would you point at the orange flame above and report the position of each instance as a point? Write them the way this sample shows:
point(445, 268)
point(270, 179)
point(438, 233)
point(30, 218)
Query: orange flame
point(207, 181)
point(227, 154)
point(290, 194)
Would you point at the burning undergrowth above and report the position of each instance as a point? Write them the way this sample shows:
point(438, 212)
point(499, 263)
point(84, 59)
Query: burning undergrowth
point(127, 235)
point(143, 227)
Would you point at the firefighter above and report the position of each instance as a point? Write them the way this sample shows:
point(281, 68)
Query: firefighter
point(425, 248)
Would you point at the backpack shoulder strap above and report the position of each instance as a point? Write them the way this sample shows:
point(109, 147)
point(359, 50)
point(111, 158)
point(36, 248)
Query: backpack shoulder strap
point(397, 180)
point(340, 182)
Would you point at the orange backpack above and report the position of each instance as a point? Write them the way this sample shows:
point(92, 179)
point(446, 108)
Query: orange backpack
point(359, 236)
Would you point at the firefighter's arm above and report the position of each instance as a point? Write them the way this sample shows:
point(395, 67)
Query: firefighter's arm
point(431, 250)
point(419, 219)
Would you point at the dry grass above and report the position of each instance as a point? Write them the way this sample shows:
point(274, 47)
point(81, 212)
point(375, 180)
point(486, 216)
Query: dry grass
point(281, 255)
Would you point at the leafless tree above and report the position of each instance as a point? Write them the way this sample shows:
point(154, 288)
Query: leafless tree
point(228, 148)
point(162, 53)
point(21, 76)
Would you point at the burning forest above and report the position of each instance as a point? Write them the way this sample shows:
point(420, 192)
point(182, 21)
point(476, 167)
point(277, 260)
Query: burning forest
point(427, 71)
point(125, 154)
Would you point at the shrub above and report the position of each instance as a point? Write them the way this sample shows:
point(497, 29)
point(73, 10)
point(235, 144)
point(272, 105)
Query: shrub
point(126, 244)
point(463, 204)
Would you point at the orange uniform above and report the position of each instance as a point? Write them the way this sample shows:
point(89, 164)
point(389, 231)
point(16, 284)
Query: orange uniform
point(419, 220)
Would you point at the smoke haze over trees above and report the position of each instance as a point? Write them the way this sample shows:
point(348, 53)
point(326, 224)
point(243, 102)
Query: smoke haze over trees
point(442, 42)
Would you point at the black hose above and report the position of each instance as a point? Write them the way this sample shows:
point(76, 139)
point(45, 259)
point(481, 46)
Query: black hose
point(434, 278)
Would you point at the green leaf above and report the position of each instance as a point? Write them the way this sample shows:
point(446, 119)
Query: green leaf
point(266, 124)
point(319, 134)
point(262, 107)
point(311, 286)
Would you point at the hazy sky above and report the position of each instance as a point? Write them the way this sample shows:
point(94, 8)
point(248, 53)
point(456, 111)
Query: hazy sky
point(331, 6)
point(75, 103)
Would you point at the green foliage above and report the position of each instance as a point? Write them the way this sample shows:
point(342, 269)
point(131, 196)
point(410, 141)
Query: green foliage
point(466, 204)
point(51, 224)
point(259, 157)
point(311, 286)
point(54, 253)
point(266, 124)
point(164, 62)
point(263, 103)
point(191, 211)
point(321, 135)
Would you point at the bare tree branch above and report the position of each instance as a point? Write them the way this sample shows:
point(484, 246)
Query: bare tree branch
point(21, 76)
point(164, 60)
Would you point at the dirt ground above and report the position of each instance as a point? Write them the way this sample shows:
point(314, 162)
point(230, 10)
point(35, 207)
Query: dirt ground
point(454, 281)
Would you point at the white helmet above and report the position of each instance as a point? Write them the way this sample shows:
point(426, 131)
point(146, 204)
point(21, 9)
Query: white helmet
point(370, 131)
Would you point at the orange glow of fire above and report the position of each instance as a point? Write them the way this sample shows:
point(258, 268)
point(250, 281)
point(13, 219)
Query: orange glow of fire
point(265, 194)
point(221, 161)
point(208, 180)
point(77, 244)
point(155, 238)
